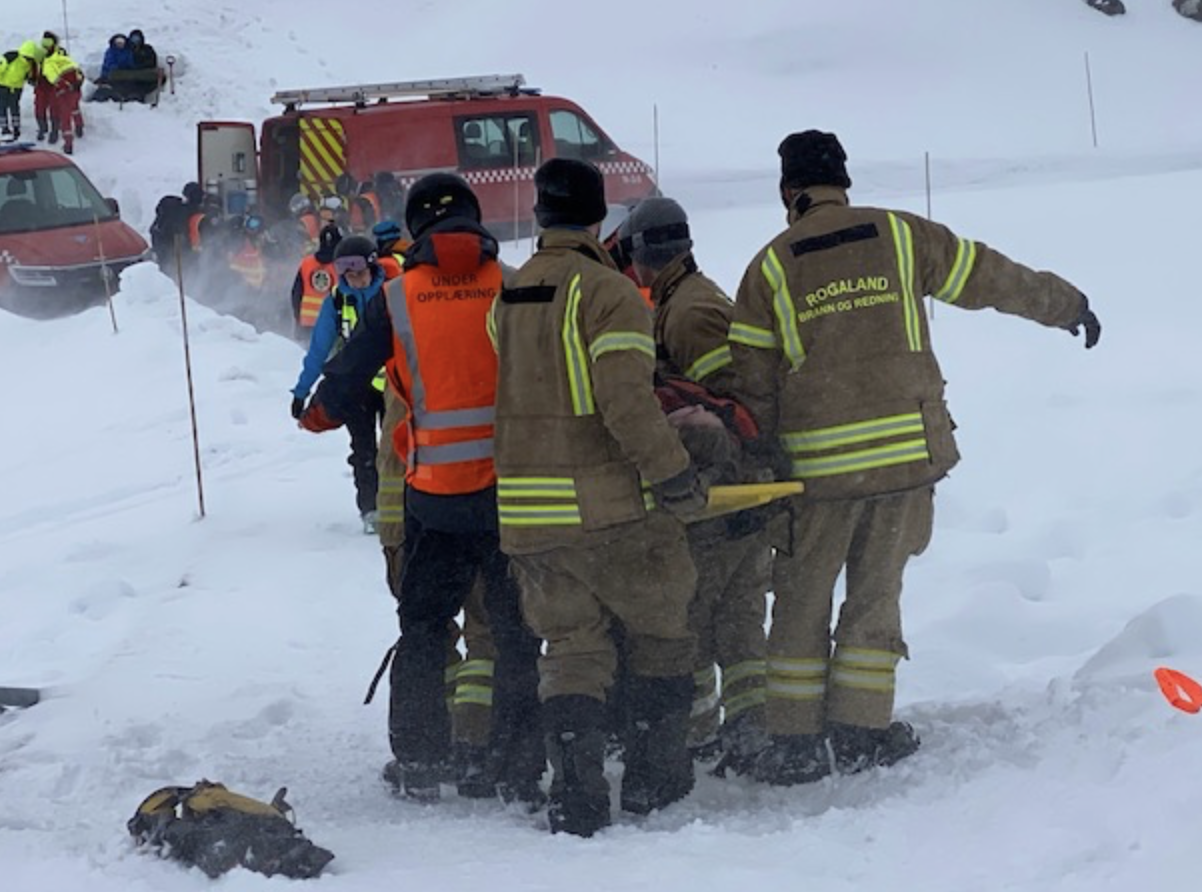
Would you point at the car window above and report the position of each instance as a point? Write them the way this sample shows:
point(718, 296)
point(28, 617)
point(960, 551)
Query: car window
point(576, 138)
point(34, 200)
point(497, 140)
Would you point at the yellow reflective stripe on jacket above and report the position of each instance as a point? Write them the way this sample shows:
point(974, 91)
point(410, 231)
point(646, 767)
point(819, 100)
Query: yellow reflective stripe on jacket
point(966, 258)
point(716, 359)
point(865, 670)
point(579, 381)
point(476, 669)
point(856, 432)
point(537, 501)
point(862, 459)
point(903, 242)
point(786, 312)
point(613, 341)
point(751, 336)
point(490, 324)
point(545, 501)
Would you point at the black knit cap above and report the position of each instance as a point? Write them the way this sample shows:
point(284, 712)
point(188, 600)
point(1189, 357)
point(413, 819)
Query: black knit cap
point(570, 193)
point(438, 196)
point(812, 158)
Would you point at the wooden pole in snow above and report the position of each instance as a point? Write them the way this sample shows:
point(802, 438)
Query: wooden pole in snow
point(183, 315)
point(1093, 118)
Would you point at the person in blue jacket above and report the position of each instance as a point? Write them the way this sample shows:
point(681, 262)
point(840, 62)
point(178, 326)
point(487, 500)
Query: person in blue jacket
point(118, 57)
point(360, 281)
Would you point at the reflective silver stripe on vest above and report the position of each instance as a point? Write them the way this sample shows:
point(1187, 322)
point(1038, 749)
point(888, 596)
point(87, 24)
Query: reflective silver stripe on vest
point(424, 418)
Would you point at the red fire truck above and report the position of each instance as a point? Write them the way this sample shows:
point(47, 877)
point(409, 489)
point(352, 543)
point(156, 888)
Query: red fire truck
point(492, 130)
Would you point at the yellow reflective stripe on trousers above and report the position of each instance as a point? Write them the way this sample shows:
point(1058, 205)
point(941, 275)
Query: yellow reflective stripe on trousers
point(751, 336)
point(537, 501)
point(782, 303)
point(796, 679)
point(966, 258)
point(472, 695)
point(856, 432)
point(748, 670)
point(476, 669)
point(903, 242)
point(732, 706)
point(579, 381)
point(718, 358)
point(865, 670)
point(613, 341)
point(862, 459)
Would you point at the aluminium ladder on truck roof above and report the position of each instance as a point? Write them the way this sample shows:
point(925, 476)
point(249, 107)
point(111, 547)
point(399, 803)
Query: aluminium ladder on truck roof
point(360, 94)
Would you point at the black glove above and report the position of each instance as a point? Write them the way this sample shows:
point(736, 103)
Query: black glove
point(768, 453)
point(1088, 321)
point(298, 407)
point(683, 495)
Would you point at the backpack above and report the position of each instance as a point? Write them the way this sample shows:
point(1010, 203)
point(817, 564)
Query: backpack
point(216, 829)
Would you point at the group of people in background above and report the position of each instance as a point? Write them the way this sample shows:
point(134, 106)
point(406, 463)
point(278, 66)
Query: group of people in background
point(57, 81)
point(130, 70)
point(550, 437)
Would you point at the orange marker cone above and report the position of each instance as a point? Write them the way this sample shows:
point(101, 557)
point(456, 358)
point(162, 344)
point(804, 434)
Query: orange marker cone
point(1179, 689)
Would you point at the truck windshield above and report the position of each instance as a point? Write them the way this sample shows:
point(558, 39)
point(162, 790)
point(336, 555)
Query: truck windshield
point(51, 198)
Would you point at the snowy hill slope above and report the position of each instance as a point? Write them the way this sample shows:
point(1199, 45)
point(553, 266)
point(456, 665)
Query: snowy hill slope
point(1064, 566)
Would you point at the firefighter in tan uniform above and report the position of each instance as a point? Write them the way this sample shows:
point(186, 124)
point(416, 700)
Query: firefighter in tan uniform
point(469, 678)
point(584, 455)
point(833, 354)
point(732, 556)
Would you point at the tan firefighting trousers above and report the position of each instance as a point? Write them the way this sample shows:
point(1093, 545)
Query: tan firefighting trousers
point(727, 615)
point(470, 677)
point(807, 684)
point(570, 595)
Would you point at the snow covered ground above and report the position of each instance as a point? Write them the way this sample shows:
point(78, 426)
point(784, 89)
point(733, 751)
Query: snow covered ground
point(1065, 565)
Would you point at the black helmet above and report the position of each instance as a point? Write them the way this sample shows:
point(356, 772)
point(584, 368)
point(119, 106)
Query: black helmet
point(439, 196)
point(570, 193)
point(356, 246)
point(193, 194)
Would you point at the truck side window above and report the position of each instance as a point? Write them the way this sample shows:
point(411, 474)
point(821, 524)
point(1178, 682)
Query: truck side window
point(576, 138)
point(496, 141)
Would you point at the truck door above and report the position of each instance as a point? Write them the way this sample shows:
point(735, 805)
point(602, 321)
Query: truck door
point(322, 155)
point(227, 164)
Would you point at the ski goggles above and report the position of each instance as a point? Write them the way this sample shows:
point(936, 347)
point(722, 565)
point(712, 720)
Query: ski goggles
point(352, 263)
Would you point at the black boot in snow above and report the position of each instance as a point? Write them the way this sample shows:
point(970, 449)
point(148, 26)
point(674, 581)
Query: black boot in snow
point(659, 766)
point(857, 749)
point(476, 771)
point(575, 742)
point(742, 740)
point(53, 135)
point(793, 759)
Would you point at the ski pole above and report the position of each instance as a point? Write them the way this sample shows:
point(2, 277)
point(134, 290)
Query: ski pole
point(183, 313)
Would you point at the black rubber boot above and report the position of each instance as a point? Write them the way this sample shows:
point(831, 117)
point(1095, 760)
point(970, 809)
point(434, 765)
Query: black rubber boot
point(742, 740)
point(579, 801)
point(857, 749)
point(659, 766)
point(793, 759)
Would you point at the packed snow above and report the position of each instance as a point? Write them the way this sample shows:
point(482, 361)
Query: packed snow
point(1065, 563)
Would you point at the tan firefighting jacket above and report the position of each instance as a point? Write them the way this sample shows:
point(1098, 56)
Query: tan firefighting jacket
point(580, 436)
point(831, 346)
point(692, 321)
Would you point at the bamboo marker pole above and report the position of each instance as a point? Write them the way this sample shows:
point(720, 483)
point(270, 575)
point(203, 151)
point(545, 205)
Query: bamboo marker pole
point(183, 313)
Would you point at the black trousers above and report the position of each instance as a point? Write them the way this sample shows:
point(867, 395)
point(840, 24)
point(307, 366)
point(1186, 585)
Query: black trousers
point(361, 424)
point(10, 107)
point(437, 575)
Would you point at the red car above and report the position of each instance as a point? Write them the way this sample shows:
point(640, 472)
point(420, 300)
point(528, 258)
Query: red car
point(62, 245)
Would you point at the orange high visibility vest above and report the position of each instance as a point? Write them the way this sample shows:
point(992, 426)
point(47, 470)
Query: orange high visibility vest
point(248, 263)
point(317, 281)
point(447, 368)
